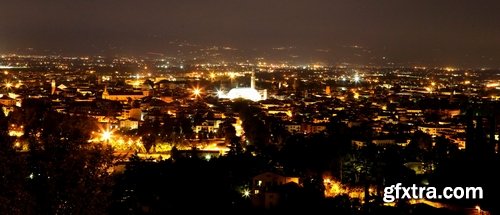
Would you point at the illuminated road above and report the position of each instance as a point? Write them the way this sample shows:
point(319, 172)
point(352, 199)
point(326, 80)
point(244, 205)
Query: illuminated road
point(470, 211)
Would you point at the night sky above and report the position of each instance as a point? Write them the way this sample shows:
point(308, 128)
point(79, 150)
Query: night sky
point(411, 32)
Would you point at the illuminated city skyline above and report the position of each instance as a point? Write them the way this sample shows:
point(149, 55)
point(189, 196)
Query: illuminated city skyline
point(262, 107)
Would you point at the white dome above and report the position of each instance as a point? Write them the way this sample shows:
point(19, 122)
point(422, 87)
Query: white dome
point(243, 93)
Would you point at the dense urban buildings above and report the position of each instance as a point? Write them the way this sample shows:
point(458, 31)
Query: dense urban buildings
point(249, 107)
point(276, 134)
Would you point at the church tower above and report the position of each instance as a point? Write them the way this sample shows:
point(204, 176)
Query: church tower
point(53, 87)
point(105, 94)
point(252, 81)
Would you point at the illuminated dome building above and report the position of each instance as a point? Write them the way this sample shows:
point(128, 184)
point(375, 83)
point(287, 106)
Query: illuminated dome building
point(244, 93)
point(249, 93)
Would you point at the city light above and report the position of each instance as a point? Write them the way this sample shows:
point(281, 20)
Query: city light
point(126, 130)
point(220, 93)
point(232, 75)
point(197, 92)
point(356, 95)
point(335, 188)
point(106, 135)
point(450, 69)
point(282, 108)
point(357, 79)
point(246, 193)
point(8, 85)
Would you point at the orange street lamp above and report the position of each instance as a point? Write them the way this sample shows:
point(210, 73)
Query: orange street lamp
point(106, 135)
point(197, 92)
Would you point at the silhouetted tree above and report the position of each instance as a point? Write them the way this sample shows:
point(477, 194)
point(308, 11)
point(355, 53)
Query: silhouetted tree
point(62, 173)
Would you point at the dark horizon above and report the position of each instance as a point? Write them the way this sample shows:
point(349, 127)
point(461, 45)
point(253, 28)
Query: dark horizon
point(427, 33)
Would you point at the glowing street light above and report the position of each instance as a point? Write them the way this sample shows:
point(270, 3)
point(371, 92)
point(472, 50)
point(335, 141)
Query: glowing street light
point(220, 93)
point(356, 95)
point(357, 78)
point(106, 135)
point(232, 75)
point(246, 193)
point(196, 92)
point(8, 85)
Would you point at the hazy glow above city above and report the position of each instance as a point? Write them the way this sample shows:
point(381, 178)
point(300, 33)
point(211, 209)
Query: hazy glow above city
point(382, 33)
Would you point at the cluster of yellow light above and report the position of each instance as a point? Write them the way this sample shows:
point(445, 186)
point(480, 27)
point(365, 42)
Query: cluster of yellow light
point(136, 83)
point(334, 188)
point(214, 147)
point(16, 131)
point(6, 111)
point(494, 84)
point(21, 145)
point(317, 66)
point(450, 69)
point(163, 147)
point(118, 142)
point(195, 75)
point(356, 95)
